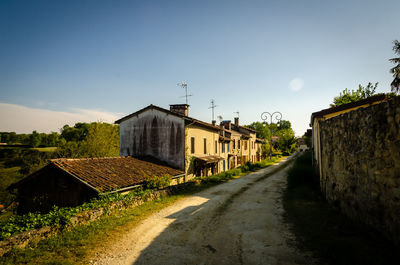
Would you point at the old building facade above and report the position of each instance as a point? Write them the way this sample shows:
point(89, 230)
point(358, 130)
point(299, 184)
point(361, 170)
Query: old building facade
point(199, 148)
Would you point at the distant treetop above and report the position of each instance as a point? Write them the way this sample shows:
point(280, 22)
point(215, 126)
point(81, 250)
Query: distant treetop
point(347, 96)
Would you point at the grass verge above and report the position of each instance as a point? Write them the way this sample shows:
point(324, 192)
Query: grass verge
point(320, 228)
point(72, 247)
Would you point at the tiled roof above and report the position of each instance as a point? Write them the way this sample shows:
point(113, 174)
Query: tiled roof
point(206, 124)
point(111, 173)
point(247, 128)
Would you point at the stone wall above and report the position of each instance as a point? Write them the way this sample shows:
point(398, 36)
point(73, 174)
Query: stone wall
point(361, 165)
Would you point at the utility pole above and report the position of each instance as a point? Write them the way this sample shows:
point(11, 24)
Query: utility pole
point(184, 85)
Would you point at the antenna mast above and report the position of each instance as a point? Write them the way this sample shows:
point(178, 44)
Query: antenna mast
point(213, 106)
point(184, 85)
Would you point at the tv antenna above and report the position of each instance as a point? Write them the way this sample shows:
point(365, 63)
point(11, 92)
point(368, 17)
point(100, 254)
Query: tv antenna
point(237, 112)
point(184, 85)
point(220, 118)
point(213, 106)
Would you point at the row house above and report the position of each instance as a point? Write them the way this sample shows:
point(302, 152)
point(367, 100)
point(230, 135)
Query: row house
point(175, 139)
point(245, 145)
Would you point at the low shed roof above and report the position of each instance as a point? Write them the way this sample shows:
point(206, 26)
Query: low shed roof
point(110, 173)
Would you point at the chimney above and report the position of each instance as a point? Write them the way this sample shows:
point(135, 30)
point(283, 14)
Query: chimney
point(213, 122)
point(229, 125)
point(182, 109)
point(237, 121)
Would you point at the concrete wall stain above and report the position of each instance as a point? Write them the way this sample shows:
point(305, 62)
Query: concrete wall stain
point(154, 137)
point(172, 141)
point(154, 133)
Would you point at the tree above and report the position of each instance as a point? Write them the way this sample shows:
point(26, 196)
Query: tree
point(395, 85)
point(5, 137)
point(102, 140)
point(287, 141)
point(283, 124)
point(347, 96)
point(70, 149)
point(76, 133)
point(50, 140)
point(262, 130)
point(35, 139)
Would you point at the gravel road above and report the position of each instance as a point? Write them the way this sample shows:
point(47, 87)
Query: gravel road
point(239, 222)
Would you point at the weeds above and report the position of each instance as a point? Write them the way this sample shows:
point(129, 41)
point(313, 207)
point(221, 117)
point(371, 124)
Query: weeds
point(60, 217)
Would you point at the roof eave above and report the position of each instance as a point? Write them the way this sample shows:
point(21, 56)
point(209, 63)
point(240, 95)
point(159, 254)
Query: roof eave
point(151, 106)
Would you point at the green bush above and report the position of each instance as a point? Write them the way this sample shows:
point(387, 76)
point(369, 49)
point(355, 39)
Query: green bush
point(245, 168)
point(156, 182)
point(236, 172)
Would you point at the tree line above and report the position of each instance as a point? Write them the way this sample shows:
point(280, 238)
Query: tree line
point(284, 139)
point(83, 139)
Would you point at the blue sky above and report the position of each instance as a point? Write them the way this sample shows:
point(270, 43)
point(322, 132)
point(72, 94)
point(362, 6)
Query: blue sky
point(64, 61)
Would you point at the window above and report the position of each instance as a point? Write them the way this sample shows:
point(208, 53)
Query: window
point(234, 144)
point(245, 145)
point(205, 146)
point(228, 146)
point(223, 147)
point(238, 144)
point(223, 165)
point(216, 147)
point(192, 145)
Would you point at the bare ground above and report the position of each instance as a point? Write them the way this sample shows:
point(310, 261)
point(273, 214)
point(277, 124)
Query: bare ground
point(239, 222)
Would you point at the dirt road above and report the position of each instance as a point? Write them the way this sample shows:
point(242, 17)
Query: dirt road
point(239, 222)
